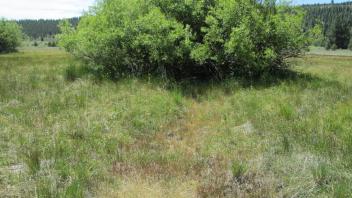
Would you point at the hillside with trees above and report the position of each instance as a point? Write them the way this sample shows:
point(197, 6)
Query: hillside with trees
point(335, 21)
point(43, 27)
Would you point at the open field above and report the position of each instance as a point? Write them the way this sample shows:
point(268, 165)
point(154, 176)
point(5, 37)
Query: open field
point(63, 136)
point(322, 51)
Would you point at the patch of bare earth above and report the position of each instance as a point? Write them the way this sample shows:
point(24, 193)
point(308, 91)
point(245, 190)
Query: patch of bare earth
point(194, 174)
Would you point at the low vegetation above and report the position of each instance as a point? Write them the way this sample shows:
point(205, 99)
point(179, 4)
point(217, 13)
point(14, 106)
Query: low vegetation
point(165, 98)
point(322, 51)
point(65, 133)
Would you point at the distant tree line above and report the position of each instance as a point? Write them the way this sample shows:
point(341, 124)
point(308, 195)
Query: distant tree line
point(335, 21)
point(44, 27)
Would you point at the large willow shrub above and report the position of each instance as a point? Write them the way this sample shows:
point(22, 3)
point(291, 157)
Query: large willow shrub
point(10, 36)
point(186, 38)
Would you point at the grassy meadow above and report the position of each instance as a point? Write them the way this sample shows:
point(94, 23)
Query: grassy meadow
point(64, 133)
point(324, 52)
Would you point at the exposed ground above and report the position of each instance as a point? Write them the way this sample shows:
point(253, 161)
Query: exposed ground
point(67, 135)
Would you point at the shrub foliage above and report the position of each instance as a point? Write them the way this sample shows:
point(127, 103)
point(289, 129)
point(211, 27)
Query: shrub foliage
point(186, 38)
point(10, 36)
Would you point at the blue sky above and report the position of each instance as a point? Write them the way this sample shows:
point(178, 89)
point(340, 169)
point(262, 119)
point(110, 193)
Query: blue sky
point(55, 9)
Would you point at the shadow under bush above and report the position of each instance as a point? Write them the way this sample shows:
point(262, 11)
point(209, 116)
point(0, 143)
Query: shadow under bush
point(75, 71)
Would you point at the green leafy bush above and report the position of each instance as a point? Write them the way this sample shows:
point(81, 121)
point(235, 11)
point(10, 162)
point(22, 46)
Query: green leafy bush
point(10, 36)
point(186, 38)
point(316, 35)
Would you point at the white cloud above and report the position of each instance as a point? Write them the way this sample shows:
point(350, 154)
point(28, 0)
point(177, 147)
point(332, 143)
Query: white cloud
point(43, 9)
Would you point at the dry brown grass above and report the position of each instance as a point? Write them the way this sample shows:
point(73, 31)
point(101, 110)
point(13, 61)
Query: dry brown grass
point(137, 186)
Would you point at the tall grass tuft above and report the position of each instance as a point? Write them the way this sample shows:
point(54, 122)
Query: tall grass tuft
point(74, 72)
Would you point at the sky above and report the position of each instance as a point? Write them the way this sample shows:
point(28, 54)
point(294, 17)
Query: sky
point(57, 9)
point(43, 9)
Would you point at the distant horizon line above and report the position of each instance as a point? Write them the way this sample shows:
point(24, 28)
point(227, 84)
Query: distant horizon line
point(43, 19)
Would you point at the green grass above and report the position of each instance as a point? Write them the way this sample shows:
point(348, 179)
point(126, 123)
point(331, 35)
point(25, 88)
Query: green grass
point(64, 133)
point(322, 51)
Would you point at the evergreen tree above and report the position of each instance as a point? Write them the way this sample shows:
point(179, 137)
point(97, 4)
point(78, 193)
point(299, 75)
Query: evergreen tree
point(43, 28)
point(336, 20)
point(350, 43)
